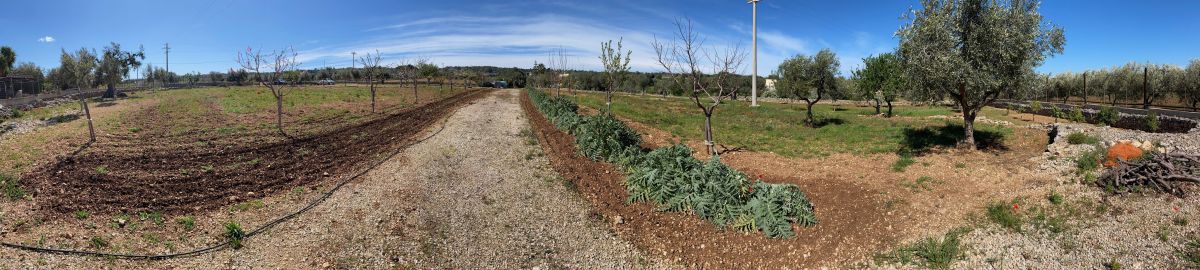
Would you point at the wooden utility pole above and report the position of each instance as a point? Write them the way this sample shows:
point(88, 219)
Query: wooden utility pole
point(1085, 93)
point(167, 52)
point(1145, 88)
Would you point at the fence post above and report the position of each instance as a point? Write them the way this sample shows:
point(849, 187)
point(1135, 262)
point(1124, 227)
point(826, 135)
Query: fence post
point(1085, 93)
point(1145, 88)
point(88, 113)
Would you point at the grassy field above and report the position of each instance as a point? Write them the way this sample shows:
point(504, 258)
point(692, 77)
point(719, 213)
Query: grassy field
point(779, 128)
point(201, 113)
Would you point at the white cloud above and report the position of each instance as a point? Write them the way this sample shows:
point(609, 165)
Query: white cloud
point(46, 39)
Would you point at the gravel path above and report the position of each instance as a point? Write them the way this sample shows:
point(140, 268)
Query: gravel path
point(477, 195)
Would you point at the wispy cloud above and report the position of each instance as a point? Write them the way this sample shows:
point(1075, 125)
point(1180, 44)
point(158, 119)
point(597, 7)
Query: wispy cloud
point(46, 39)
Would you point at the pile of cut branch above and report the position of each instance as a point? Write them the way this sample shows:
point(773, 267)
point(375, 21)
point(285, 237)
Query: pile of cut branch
point(1160, 172)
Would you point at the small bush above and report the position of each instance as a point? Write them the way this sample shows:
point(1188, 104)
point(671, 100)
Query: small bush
point(1005, 215)
point(1088, 161)
point(1055, 198)
point(1057, 113)
point(1108, 116)
point(1035, 107)
point(235, 234)
point(11, 187)
point(1080, 138)
point(1077, 115)
point(1151, 121)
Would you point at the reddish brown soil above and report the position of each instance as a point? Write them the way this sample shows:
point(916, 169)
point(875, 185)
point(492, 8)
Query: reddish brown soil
point(851, 217)
point(183, 176)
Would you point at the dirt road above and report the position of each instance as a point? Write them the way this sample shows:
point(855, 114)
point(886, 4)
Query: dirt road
point(478, 194)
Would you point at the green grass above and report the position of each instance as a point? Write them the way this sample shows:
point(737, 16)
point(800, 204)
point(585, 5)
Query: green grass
point(779, 128)
point(188, 222)
point(11, 187)
point(1005, 215)
point(234, 233)
point(1191, 251)
point(241, 207)
point(82, 214)
point(931, 252)
point(906, 159)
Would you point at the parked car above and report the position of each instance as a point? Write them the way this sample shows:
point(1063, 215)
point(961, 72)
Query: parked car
point(326, 82)
point(280, 82)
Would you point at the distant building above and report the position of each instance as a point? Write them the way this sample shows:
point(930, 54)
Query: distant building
point(14, 86)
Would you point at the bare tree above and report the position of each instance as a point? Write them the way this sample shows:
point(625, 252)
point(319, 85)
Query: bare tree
point(276, 64)
point(370, 63)
point(685, 59)
point(616, 67)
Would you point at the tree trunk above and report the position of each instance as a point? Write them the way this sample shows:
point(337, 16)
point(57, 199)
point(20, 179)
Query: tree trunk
point(112, 91)
point(708, 134)
point(968, 141)
point(372, 97)
point(608, 103)
point(809, 112)
point(279, 114)
point(877, 105)
point(889, 114)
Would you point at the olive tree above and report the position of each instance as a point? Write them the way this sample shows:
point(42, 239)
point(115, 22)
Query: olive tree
point(1189, 93)
point(374, 72)
point(115, 65)
point(616, 68)
point(881, 80)
point(685, 60)
point(972, 51)
point(268, 69)
point(809, 78)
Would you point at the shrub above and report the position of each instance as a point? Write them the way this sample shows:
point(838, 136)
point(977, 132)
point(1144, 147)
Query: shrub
point(1151, 121)
point(1035, 107)
point(605, 138)
point(1077, 115)
point(1081, 138)
point(1088, 161)
point(1108, 116)
point(11, 187)
point(235, 234)
point(1056, 112)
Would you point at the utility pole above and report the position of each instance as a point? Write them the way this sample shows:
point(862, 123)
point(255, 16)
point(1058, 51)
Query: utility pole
point(353, 59)
point(167, 52)
point(754, 34)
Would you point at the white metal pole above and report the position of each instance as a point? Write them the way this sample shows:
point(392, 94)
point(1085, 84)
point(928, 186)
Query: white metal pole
point(754, 77)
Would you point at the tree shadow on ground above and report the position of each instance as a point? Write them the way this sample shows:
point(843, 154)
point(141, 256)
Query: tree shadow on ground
point(820, 122)
point(922, 140)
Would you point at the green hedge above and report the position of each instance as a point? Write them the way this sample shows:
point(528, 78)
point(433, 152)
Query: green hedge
point(675, 181)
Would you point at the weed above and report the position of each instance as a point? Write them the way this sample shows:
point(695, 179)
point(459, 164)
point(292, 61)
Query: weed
point(1164, 232)
point(960, 165)
point(906, 159)
point(931, 252)
point(1081, 138)
point(98, 242)
point(298, 191)
point(206, 169)
point(1180, 221)
point(120, 220)
point(1088, 162)
point(82, 214)
point(235, 234)
point(188, 222)
point(1112, 264)
point(152, 238)
point(1055, 198)
point(135, 130)
point(1051, 222)
point(11, 187)
point(1077, 115)
point(254, 162)
point(923, 183)
point(1005, 215)
point(255, 204)
point(101, 170)
point(155, 217)
point(1191, 251)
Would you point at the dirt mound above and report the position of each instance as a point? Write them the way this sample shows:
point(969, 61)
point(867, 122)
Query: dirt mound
point(194, 175)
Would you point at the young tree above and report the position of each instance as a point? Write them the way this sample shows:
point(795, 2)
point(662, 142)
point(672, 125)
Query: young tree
point(115, 66)
point(268, 69)
point(79, 67)
point(370, 66)
point(685, 59)
point(616, 67)
point(882, 79)
point(1189, 93)
point(809, 79)
point(7, 58)
point(974, 50)
point(427, 70)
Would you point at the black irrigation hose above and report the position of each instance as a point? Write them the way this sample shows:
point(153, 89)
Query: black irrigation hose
point(227, 243)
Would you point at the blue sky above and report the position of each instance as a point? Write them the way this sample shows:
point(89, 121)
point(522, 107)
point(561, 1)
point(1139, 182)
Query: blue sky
point(206, 35)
